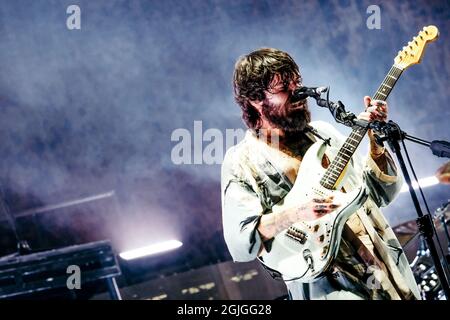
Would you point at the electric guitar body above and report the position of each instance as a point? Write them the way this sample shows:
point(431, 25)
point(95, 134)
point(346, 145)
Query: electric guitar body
point(306, 248)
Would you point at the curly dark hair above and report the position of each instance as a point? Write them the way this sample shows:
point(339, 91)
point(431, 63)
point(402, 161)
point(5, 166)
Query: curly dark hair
point(252, 75)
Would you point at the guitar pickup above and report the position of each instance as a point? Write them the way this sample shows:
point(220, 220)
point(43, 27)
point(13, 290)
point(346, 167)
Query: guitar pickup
point(297, 235)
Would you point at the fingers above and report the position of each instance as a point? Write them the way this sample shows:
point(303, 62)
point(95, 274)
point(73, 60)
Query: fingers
point(323, 200)
point(365, 116)
point(323, 206)
point(318, 207)
point(380, 107)
point(326, 207)
point(378, 103)
point(369, 102)
point(372, 113)
point(374, 110)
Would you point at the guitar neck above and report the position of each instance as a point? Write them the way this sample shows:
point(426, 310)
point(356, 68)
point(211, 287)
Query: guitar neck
point(334, 172)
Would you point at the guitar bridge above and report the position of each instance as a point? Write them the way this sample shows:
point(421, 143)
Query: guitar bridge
point(296, 235)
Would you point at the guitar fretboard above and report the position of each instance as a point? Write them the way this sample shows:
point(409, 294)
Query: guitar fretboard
point(337, 166)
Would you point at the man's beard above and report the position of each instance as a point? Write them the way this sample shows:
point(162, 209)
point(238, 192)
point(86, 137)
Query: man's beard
point(292, 117)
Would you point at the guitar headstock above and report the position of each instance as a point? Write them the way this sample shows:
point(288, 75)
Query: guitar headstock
point(413, 52)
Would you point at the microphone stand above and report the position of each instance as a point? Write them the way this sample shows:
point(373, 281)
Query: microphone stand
point(393, 134)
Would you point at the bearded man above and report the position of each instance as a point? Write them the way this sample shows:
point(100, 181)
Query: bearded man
point(370, 263)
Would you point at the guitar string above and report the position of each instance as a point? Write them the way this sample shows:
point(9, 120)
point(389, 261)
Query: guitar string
point(337, 165)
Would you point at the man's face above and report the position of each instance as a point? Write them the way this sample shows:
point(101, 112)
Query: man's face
point(280, 108)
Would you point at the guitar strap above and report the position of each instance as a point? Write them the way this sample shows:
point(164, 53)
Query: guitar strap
point(405, 291)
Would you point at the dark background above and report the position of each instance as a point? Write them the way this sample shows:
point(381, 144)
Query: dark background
point(90, 111)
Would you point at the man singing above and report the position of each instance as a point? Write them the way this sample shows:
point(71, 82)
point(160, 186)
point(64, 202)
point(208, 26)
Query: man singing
point(370, 263)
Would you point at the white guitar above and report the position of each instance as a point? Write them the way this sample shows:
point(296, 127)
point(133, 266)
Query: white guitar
point(306, 249)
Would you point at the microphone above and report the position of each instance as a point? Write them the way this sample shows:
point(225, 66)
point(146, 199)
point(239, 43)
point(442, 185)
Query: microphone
point(305, 92)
